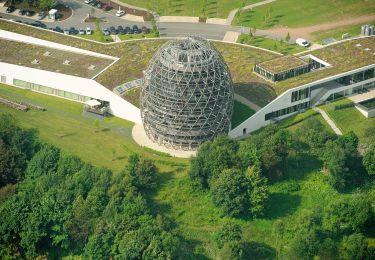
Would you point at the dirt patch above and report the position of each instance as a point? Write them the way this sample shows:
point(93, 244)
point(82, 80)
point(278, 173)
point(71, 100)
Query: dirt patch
point(93, 19)
point(64, 12)
point(146, 15)
point(305, 32)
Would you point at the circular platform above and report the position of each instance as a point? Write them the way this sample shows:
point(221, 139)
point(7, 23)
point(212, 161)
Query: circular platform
point(140, 137)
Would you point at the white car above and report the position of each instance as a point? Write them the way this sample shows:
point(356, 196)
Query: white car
point(302, 42)
point(120, 13)
point(88, 31)
point(88, 1)
point(81, 31)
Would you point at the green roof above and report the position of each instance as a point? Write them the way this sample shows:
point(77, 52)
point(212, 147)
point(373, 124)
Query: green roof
point(283, 63)
point(343, 56)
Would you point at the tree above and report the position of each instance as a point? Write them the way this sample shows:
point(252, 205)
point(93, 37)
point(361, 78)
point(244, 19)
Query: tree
point(258, 190)
point(369, 159)
point(44, 161)
point(229, 232)
point(287, 37)
point(354, 247)
point(229, 192)
point(211, 159)
point(46, 4)
point(10, 172)
point(334, 161)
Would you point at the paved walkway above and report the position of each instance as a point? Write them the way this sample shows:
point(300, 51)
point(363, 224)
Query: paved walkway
point(362, 97)
point(246, 102)
point(233, 13)
point(140, 137)
point(231, 36)
point(328, 120)
point(178, 19)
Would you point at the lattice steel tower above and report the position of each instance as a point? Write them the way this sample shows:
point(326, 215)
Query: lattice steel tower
point(187, 96)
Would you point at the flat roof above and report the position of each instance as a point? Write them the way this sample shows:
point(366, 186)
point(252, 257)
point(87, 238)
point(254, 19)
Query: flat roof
point(50, 59)
point(343, 56)
point(283, 63)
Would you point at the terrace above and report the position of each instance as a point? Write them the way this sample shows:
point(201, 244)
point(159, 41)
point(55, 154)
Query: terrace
point(342, 57)
point(44, 58)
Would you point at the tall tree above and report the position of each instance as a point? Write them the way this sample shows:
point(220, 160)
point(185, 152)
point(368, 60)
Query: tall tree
point(258, 191)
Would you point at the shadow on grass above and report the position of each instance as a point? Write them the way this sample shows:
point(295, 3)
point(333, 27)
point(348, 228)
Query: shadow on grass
point(301, 165)
point(257, 250)
point(281, 204)
point(256, 92)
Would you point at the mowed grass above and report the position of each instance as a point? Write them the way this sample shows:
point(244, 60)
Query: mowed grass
point(105, 143)
point(353, 30)
point(97, 36)
point(350, 119)
point(270, 44)
point(297, 13)
point(201, 8)
point(241, 112)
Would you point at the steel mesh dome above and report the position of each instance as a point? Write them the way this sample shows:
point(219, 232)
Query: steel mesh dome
point(187, 96)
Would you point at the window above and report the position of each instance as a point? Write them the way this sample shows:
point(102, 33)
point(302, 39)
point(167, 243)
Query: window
point(287, 110)
point(300, 94)
point(244, 131)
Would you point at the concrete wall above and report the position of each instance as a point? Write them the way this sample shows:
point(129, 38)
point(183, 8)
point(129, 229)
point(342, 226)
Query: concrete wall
point(81, 86)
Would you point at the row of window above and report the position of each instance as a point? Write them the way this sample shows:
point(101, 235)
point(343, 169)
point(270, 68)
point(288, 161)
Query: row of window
point(300, 94)
point(51, 91)
point(286, 111)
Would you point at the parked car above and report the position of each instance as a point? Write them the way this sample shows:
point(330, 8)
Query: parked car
point(88, 1)
point(136, 29)
point(81, 31)
point(105, 31)
point(93, 3)
point(10, 9)
point(302, 42)
point(66, 31)
point(88, 31)
point(99, 4)
point(59, 30)
point(106, 7)
point(30, 13)
point(120, 30)
point(145, 29)
point(38, 24)
point(120, 13)
point(41, 15)
point(22, 12)
point(18, 21)
point(113, 30)
point(73, 30)
point(129, 30)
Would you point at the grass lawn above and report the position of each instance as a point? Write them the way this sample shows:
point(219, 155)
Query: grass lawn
point(297, 13)
point(350, 119)
point(201, 8)
point(241, 112)
point(97, 36)
point(353, 30)
point(105, 143)
point(270, 44)
point(137, 36)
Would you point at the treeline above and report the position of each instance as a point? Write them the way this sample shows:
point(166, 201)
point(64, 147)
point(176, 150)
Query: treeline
point(62, 206)
point(237, 174)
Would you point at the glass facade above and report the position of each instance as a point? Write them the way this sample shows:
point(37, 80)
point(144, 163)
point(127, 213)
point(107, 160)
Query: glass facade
point(50, 91)
point(300, 94)
point(286, 111)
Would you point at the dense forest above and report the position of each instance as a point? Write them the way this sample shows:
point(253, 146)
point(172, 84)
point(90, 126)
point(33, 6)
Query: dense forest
point(52, 204)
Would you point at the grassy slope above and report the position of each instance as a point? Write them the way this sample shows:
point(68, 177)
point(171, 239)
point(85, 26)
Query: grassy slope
point(353, 30)
point(297, 13)
point(241, 112)
point(270, 44)
point(219, 8)
point(64, 126)
point(350, 119)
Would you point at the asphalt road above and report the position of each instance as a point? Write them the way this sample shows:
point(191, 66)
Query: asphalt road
point(81, 10)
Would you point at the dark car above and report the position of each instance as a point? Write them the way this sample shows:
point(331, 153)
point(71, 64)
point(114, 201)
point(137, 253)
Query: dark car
point(105, 31)
point(58, 29)
point(145, 29)
point(127, 30)
point(30, 13)
point(72, 30)
point(99, 4)
point(22, 12)
point(38, 24)
point(136, 29)
point(120, 30)
point(18, 21)
point(10, 9)
point(93, 3)
point(113, 30)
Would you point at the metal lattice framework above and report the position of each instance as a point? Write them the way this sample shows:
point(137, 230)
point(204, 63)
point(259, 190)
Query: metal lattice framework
point(187, 96)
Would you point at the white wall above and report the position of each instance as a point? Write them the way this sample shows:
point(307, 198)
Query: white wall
point(82, 86)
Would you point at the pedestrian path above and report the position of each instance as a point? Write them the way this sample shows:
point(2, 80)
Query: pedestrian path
point(328, 120)
point(233, 13)
point(246, 102)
